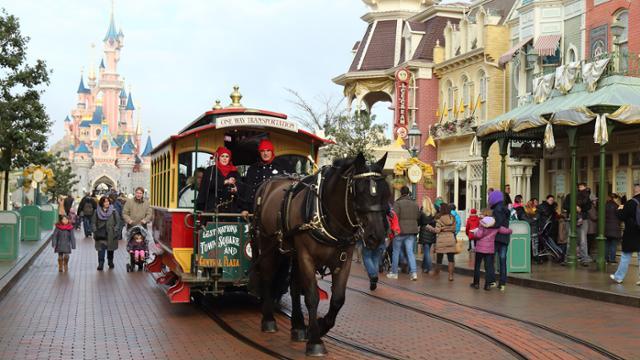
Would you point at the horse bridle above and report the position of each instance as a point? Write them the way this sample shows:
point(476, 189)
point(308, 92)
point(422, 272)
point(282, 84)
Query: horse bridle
point(372, 176)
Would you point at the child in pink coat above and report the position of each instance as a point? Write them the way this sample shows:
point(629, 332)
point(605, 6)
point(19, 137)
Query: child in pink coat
point(485, 236)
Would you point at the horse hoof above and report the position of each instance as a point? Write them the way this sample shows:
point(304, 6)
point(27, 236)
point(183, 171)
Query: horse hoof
point(316, 350)
point(299, 335)
point(269, 326)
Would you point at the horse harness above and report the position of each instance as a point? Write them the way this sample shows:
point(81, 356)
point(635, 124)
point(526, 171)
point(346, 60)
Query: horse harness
point(316, 218)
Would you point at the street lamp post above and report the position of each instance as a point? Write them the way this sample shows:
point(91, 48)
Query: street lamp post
point(415, 140)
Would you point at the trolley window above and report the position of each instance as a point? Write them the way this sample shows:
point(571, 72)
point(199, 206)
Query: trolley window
point(191, 166)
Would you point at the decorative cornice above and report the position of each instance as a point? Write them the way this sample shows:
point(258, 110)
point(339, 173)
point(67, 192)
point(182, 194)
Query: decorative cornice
point(460, 60)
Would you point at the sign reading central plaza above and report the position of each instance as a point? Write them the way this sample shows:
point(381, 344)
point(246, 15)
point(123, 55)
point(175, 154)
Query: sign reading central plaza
point(255, 120)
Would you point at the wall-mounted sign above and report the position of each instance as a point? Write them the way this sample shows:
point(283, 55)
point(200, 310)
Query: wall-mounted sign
point(560, 184)
point(598, 41)
point(414, 173)
point(402, 98)
point(621, 181)
point(255, 120)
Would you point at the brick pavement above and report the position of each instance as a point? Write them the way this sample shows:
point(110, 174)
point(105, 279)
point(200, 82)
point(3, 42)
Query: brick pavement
point(87, 314)
point(615, 328)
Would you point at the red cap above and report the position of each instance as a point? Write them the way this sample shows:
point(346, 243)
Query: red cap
point(265, 145)
point(223, 150)
point(474, 211)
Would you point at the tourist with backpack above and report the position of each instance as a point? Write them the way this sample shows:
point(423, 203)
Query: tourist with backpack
point(86, 208)
point(629, 213)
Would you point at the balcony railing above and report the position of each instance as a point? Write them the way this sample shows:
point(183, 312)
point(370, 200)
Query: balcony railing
point(456, 127)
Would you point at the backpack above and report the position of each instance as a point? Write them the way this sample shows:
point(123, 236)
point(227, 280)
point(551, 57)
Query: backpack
point(87, 208)
point(637, 212)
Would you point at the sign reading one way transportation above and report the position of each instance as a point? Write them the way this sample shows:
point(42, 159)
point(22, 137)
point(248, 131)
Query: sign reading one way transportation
point(255, 120)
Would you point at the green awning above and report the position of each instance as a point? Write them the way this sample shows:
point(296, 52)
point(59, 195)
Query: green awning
point(570, 109)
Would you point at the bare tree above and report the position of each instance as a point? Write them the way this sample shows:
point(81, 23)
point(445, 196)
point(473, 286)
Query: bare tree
point(320, 117)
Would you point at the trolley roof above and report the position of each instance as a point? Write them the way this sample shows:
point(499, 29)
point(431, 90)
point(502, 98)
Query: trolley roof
point(235, 116)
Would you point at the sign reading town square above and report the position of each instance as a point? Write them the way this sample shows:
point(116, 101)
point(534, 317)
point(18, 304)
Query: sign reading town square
point(226, 246)
point(255, 120)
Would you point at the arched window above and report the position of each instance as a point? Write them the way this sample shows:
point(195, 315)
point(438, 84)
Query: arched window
point(621, 43)
point(571, 55)
point(481, 107)
point(467, 93)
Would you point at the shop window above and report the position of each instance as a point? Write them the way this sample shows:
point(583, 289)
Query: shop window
point(621, 43)
point(584, 162)
point(623, 159)
point(636, 176)
point(635, 158)
point(608, 159)
point(560, 164)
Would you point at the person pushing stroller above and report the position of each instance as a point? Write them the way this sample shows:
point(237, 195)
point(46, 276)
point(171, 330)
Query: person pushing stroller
point(138, 248)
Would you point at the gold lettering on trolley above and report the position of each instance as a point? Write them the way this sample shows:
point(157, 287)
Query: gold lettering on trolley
point(224, 262)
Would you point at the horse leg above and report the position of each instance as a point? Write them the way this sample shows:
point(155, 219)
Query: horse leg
point(298, 328)
point(268, 323)
point(315, 346)
point(338, 291)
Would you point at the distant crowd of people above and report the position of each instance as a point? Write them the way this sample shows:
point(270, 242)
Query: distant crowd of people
point(102, 219)
point(436, 225)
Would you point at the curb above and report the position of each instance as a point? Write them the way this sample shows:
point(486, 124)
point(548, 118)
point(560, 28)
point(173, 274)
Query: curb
point(557, 287)
point(12, 277)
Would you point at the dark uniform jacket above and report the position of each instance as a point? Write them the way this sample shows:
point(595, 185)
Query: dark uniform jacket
point(256, 175)
point(631, 236)
point(213, 192)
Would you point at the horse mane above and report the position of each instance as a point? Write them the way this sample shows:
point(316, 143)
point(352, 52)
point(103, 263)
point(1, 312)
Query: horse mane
point(339, 163)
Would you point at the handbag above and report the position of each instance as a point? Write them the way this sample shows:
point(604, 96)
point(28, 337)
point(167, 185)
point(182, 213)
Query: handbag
point(101, 233)
point(459, 247)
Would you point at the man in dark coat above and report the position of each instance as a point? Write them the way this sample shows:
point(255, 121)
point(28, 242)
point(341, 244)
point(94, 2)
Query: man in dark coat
point(547, 212)
point(86, 209)
point(257, 174)
point(408, 216)
point(631, 236)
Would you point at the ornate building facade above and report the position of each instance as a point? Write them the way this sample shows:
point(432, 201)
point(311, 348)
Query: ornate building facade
point(103, 133)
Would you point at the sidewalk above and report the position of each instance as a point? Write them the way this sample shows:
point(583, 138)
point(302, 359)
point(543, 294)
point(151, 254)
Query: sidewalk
point(585, 282)
point(10, 270)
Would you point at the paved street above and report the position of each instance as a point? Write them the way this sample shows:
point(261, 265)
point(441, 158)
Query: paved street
point(113, 314)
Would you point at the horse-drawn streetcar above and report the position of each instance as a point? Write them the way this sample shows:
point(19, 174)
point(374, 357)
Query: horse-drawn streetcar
point(209, 250)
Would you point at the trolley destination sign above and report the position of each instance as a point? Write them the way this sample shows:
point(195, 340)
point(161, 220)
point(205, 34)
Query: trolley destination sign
point(224, 245)
point(255, 120)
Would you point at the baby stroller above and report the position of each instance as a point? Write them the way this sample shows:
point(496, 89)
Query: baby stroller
point(137, 249)
point(549, 246)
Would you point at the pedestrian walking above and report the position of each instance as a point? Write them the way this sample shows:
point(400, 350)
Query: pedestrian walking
point(612, 228)
point(456, 216)
point(445, 238)
point(629, 213)
point(408, 215)
point(63, 241)
point(485, 236)
point(137, 211)
point(105, 224)
point(501, 215)
point(372, 257)
point(427, 238)
point(473, 221)
point(86, 208)
point(592, 218)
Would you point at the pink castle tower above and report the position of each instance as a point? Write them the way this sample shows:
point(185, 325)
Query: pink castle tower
point(100, 139)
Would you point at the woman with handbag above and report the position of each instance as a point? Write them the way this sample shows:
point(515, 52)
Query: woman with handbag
point(105, 224)
point(445, 238)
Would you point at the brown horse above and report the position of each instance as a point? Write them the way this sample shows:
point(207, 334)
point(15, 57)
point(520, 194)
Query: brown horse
point(310, 225)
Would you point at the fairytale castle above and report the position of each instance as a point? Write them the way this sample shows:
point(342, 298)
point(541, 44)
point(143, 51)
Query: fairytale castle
point(102, 139)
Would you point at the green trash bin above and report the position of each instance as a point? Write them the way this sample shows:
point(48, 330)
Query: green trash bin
point(9, 235)
point(48, 217)
point(30, 220)
point(519, 251)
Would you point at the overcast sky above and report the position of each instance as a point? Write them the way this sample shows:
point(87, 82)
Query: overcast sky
point(179, 56)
